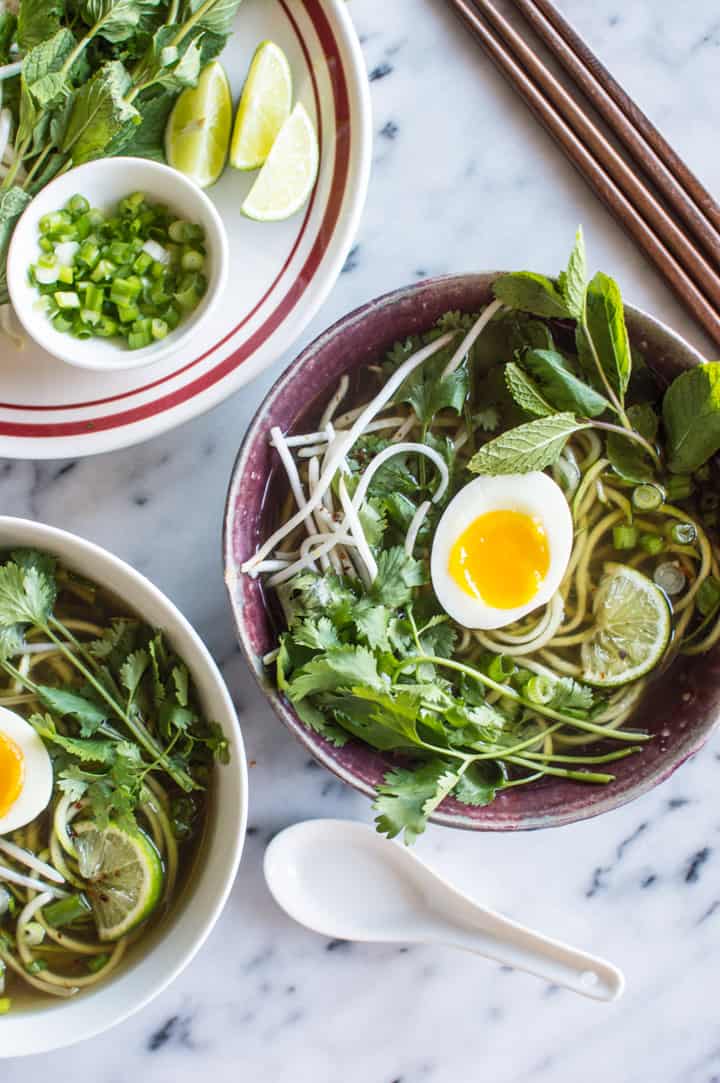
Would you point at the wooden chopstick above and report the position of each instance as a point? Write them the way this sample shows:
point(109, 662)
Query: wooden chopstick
point(678, 184)
point(706, 278)
point(633, 218)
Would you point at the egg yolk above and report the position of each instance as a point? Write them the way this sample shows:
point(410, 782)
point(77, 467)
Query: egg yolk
point(501, 559)
point(12, 773)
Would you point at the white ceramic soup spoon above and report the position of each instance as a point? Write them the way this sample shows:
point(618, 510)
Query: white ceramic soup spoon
point(344, 880)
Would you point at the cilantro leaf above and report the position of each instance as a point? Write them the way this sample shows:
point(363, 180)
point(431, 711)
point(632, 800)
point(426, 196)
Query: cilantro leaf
point(479, 784)
point(26, 596)
point(132, 670)
point(64, 701)
point(341, 667)
point(397, 574)
point(317, 634)
point(372, 623)
point(402, 798)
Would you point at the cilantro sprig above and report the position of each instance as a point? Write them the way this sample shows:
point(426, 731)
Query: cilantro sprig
point(127, 708)
point(391, 681)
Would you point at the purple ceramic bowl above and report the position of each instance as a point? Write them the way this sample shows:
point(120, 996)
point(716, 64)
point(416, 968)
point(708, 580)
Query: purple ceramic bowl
point(681, 708)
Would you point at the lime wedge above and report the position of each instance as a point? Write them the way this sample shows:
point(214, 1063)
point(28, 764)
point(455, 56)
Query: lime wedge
point(198, 128)
point(264, 107)
point(287, 178)
point(124, 876)
point(631, 630)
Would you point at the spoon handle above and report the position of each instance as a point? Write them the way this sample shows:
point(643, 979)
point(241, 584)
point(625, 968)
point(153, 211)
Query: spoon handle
point(498, 938)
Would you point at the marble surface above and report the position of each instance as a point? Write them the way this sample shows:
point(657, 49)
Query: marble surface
point(463, 179)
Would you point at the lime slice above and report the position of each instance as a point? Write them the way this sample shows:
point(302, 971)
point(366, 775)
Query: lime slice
point(264, 107)
point(124, 876)
point(287, 178)
point(631, 631)
point(198, 128)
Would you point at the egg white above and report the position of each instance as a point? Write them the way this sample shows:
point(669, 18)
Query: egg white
point(535, 495)
point(38, 778)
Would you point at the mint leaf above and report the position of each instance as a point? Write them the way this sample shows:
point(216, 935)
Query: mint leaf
point(47, 56)
point(561, 387)
point(119, 20)
point(147, 139)
point(691, 413)
point(531, 293)
point(38, 20)
point(532, 446)
point(574, 280)
point(627, 456)
point(402, 797)
point(98, 112)
point(605, 324)
point(526, 392)
point(220, 17)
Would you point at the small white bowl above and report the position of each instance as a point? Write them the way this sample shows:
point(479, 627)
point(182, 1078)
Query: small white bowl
point(104, 183)
point(41, 1029)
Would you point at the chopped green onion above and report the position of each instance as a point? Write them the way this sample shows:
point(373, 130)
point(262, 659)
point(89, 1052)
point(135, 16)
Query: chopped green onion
point(66, 911)
point(127, 313)
point(647, 497)
point(66, 299)
point(97, 962)
point(60, 323)
point(625, 537)
point(192, 260)
point(78, 204)
point(539, 689)
point(683, 533)
point(652, 544)
point(133, 273)
point(708, 596)
point(501, 668)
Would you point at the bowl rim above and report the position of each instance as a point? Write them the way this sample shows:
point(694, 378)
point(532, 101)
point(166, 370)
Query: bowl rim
point(607, 801)
point(28, 1041)
point(112, 358)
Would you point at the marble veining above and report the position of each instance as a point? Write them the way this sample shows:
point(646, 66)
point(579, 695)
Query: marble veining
point(463, 179)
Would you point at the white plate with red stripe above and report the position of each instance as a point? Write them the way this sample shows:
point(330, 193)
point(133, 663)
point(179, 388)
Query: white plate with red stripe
point(280, 273)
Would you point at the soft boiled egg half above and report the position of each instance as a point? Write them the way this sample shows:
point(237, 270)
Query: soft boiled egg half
point(501, 549)
point(26, 777)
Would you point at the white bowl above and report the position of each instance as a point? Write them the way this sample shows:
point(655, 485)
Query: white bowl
point(41, 1029)
point(104, 183)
